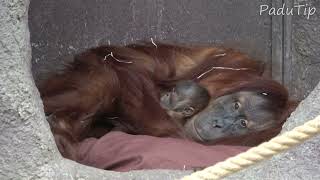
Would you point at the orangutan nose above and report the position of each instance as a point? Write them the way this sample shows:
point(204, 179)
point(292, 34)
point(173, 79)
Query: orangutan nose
point(216, 124)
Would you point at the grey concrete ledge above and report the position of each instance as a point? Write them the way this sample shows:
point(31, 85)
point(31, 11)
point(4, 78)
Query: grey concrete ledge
point(27, 147)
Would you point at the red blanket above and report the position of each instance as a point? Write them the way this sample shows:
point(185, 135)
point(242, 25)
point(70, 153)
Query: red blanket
point(123, 152)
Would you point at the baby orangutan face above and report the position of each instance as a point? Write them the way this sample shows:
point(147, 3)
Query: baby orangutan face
point(185, 100)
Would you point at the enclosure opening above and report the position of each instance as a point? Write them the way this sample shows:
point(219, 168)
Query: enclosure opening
point(64, 37)
point(114, 115)
point(60, 29)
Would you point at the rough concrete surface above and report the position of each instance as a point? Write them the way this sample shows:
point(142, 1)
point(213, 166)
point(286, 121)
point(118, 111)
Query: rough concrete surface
point(303, 70)
point(27, 149)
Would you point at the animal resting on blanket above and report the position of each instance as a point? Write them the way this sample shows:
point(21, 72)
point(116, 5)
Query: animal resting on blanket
point(183, 100)
point(124, 84)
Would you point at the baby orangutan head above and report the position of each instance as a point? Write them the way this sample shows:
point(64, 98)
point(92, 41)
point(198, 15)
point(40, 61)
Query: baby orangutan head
point(185, 99)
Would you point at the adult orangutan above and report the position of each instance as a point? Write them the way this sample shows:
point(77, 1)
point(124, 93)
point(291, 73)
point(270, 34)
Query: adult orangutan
point(124, 85)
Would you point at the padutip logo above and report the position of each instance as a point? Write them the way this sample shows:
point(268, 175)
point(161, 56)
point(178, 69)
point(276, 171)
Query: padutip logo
point(298, 9)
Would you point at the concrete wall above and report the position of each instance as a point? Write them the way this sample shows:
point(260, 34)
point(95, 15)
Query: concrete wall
point(302, 69)
point(27, 147)
point(61, 28)
point(290, 45)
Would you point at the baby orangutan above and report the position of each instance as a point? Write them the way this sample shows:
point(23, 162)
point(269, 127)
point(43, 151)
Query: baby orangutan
point(184, 100)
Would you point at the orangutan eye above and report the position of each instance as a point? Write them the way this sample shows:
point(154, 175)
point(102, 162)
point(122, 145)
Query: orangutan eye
point(243, 123)
point(237, 105)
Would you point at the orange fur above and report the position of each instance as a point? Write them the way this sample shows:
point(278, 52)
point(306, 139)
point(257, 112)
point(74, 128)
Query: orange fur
point(97, 84)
